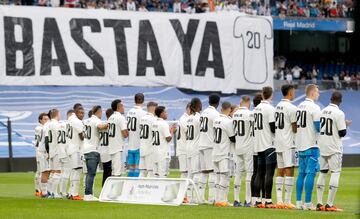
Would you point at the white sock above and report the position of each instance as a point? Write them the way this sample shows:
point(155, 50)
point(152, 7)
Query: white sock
point(65, 174)
point(43, 187)
point(333, 186)
point(183, 175)
point(279, 188)
point(202, 185)
point(150, 173)
point(289, 183)
point(75, 181)
point(37, 181)
point(196, 179)
point(224, 185)
point(237, 185)
point(248, 187)
point(142, 173)
point(217, 188)
point(212, 190)
point(189, 189)
point(320, 187)
point(50, 184)
point(56, 181)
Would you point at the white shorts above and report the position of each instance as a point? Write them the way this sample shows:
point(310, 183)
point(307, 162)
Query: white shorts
point(161, 167)
point(244, 162)
point(193, 164)
point(104, 154)
point(332, 162)
point(182, 162)
point(75, 160)
point(222, 166)
point(65, 163)
point(206, 159)
point(146, 162)
point(43, 163)
point(55, 163)
point(286, 158)
point(117, 163)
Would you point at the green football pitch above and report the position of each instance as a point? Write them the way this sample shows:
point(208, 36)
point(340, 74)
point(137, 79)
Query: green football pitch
point(18, 201)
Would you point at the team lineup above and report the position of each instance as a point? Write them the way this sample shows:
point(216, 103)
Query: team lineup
point(251, 140)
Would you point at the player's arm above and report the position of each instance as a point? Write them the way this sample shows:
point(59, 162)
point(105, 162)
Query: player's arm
point(316, 119)
point(229, 128)
point(169, 131)
point(293, 120)
point(102, 126)
point(123, 127)
point(341, 125)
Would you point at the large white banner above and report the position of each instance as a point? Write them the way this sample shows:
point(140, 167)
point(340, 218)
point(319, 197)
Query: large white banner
point(154, 191)
point(203, 52)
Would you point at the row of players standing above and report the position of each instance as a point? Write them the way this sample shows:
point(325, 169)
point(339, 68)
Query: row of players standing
point(260, 140)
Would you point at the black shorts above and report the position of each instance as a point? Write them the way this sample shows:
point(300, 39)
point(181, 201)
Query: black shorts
point(267, 157)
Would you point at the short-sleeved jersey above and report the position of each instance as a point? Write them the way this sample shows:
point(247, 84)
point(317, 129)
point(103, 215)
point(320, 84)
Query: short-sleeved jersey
point(76, 127)
point(223, 130)
point(104, 143)
point(161, 131)
point(38, 135)
point(243, 123)
point(193, 134)
point(45, 129)
point(146, 141)
point(264, 114)
point(117, 123)
point(332, 120)
point(307, 113)
point(285, 115)
point(133, 125)
point(92, 135)
point(207, 118)
point(181, 143)
point(62, 140)
point(54, 131)
point(256, 40)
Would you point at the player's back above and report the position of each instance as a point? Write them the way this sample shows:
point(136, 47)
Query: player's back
point(146, 134)
point(133, 124)
point(207, 117)
point(285, 115)
point(38, 135)
point(76, 127)
point(181, 135)
point(160, 129)
point(53, 134)
point(193, 134)
point(243, 122)
point(117, 123)
point(92, 135)
point(332, 120)
point(264, 114)
point(62, 140)
point(307, 113)
point(223, 130)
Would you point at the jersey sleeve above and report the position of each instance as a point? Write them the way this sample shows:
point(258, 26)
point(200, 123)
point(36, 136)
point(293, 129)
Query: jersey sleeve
point(340, 122)
point(271, 114)
point(122, 123)
point(229, 128)
point(292, 114)
point(78, 126)
point(316, 114)
point(165, 129)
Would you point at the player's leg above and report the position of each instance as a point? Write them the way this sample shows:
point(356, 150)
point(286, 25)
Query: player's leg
point(116, 162)
point(75, 176)
point(260, 178)
point(301, 178)
point(312, 169)
point(255, 164)
point(195, 167)
point(335, 161)
point(106, 171)
point(279, 181)
point(182, 166)
point(269, 176)
point(224, 181)
point(239, 171)
point(65, 174)
point(130, 163)
point(217, 183)
point(249, 173)
point(149, 165)
point(56, 176)
point(92, 160)
point(189, 176)
point(206, 166)
point(142, 169)
point(136, 163)
point(320, 184)
point(289, 161)
point(37, 177)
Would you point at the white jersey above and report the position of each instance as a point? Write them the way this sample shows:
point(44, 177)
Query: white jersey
point(92, 135)
point(161, 131)
point(207, 118)
point(133, 125)
point(146, 147)
point(45, 128)
point(308, 113)
point(223, 130)
point(332, 120)
point(104, 145)
point(264, 114)
point(243, 123)
point(38, 135)
point(255, 35)
point(117, 123)
point(54, 132)
point(193, 134)
point(63, 140)
point(76, 127)
point(181, 143)
point(285, 115)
